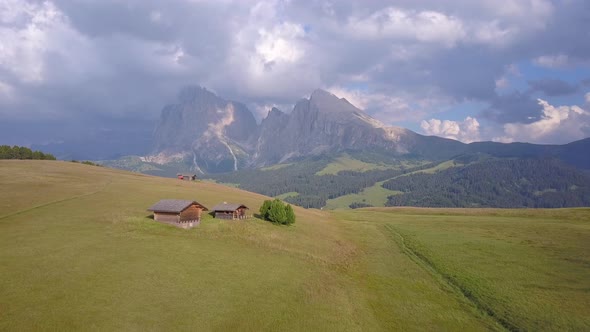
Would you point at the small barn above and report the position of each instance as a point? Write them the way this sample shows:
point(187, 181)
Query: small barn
point(177, 212)
point(230, 211)
point(186, 176)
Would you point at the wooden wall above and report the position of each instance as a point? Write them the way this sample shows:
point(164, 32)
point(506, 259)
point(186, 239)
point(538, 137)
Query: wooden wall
point(192, 213)
point(166, 217)
point(224, 215)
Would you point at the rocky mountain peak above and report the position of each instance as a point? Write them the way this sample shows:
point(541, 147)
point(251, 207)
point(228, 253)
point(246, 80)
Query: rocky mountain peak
point(275, 112)
point(208, 131)
point(192, 93)
point(214, 134)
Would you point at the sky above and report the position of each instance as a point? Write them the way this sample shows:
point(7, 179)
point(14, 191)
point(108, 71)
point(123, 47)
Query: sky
point(501, 70)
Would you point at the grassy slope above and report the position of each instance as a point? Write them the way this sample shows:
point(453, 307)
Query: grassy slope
point(287, 195)
point(77, 252)
point(528, 268)
point(375, 195)
point(346, 163)
point(275, 167)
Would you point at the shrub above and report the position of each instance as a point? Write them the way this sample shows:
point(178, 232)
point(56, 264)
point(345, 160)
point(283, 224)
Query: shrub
point(277, 212)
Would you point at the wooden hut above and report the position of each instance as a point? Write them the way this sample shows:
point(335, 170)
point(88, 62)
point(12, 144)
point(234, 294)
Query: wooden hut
point(230, 211)
point(186, 176)
point(180, 213)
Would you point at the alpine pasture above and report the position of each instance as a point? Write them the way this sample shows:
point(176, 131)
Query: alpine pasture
point(78, 251)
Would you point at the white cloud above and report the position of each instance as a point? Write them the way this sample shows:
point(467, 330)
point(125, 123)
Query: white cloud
point(155, 16)
point(390, 108)
point(280, 44)
point(536, 12)
point(24, 46)
point(552, 61)
point(424, 26)
point(466, 131)
point(269, 58)
point(510, 71)
point(6, 92)
point(558, 124)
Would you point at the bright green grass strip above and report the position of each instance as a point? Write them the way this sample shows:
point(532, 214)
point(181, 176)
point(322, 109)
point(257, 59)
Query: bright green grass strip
point(375, 195)
point(275, 167)
point(346, 163)
point(440, 167)
point(287, 195)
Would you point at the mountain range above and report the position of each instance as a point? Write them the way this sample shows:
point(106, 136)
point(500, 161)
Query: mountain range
point(328, 153)
point(209, 134)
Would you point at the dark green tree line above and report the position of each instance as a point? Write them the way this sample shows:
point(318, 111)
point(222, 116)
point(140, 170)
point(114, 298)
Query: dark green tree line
point(21, 152)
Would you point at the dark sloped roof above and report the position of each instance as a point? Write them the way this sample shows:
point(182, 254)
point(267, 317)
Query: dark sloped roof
point(173, 205)
point(228, 207)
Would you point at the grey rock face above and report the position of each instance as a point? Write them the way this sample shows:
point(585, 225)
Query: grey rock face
point(216, 135)
point(206, 130)
point(322, 123)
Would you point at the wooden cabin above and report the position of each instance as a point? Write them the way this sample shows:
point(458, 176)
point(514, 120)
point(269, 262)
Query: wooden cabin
point(230, 211)
point(180, 213)
point(186, 177)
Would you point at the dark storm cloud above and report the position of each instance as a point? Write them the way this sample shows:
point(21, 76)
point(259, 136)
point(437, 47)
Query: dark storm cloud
point(553, 87)
point(515, 107)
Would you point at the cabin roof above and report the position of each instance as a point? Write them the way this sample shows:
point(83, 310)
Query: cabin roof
point(228, 207)
point(173, 205)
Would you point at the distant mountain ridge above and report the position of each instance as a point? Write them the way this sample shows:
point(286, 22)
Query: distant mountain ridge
point(209, 134)
point(327, 153)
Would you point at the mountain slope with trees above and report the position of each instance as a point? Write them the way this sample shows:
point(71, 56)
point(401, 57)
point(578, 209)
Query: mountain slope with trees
point(505, 183)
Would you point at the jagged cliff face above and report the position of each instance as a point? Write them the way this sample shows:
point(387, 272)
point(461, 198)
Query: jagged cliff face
point(214, 135)
point(323, 123)
point(203, 130)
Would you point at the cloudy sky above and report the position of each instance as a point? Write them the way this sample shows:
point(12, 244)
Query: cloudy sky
point(504, 70)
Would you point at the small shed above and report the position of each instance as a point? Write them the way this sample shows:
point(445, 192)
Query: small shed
point(186, 176)
point(177, 212)
point(230, 211)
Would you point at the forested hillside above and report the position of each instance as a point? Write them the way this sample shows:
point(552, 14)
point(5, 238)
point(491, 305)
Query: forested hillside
point(505, 183)
point(312, 190)
point(469, 180)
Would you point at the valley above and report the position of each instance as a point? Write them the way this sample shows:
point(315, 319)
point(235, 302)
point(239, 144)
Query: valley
point(327, 153)
point(78, 250)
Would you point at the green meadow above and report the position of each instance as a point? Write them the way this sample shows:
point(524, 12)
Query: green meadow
point(375, 195)
point(78, 251)
point(345, 162)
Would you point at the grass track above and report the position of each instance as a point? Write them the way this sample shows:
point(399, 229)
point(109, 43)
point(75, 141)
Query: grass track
point(528, 269)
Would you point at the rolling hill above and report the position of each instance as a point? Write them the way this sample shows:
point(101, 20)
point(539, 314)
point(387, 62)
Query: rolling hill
point(78, 251)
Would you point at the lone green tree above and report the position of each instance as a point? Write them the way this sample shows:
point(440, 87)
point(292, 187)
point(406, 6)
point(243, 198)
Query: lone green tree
point(290, 214)
point(264, 209)
point(277, 212)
